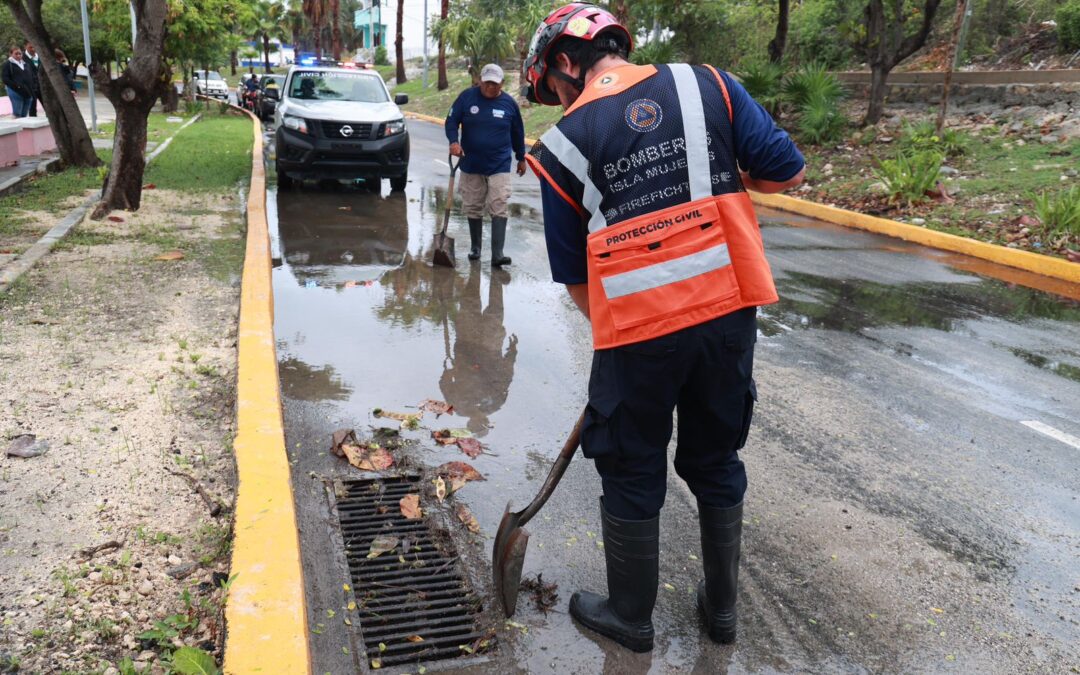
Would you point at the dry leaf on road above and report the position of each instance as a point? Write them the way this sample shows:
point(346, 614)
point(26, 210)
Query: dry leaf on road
point(440, 488)
point(407, 421)
point(437, 407)
point(467, 518)
point(382, 544)
point(170, 255)
point(460, 470)
point(340, 437)
point(471, 447)
point(410, 507)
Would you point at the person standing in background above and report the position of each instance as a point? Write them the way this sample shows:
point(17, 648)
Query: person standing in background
point(17, 82)
point(33, 61)
point(490, 129)
point(65, 69)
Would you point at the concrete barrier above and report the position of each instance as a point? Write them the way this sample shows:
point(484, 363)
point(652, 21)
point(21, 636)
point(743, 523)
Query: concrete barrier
point(9, 144)
point(35, 137)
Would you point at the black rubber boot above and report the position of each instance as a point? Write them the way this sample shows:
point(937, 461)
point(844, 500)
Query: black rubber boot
point(721, 534)
point(498, 238)
point(476, 237)
point(631, 549)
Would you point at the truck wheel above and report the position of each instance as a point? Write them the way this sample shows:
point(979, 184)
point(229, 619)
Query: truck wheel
point(373, 185)
point(397, 183)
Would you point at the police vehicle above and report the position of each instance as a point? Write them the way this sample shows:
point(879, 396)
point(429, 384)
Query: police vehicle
point(337, 122)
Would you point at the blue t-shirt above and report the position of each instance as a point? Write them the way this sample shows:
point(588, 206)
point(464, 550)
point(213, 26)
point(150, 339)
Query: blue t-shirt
point(763, 149)
point(490, 129)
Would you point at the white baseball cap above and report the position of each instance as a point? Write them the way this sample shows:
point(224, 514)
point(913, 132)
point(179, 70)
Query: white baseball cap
point(491, 73)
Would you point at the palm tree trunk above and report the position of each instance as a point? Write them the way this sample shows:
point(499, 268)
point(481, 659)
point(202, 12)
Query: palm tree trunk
point(335, 39)
point(444, 83)
point(398, 49)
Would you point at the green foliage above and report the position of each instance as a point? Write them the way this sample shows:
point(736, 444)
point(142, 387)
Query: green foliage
point(924, 136)
point(811, 81)
point(824, 31)
point(821, 121)
point(763, 80)
point(381, 59)
point(193, 661)
point(211, 154)
point(1059, 212)
point(1068, 25)
point(658, 51)
point(909, 176)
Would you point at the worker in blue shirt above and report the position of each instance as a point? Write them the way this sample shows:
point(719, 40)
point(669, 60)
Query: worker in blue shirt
point(491, 130)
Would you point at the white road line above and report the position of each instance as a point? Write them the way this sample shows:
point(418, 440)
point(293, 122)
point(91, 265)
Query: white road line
point(443, 163)
point(1050, 431)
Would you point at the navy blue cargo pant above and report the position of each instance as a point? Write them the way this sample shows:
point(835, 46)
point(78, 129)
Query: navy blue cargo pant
point(705, 372)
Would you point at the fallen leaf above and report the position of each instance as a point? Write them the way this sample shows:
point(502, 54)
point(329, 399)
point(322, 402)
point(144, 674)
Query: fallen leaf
point(936, 610)
point(471, 447)
point(437, 407)
point(382, 544)
point(440, 488)
point(376, 664)
point(116, 219)
point(170, 255)
point(467, 518)
point(444, 437)
point(381, 459)
point(456, 484)
point(460, 433)
point(407, 421)
point(410, 507)
point(461, 470)
point(340, 437)
point(545, 596)
point(27, 446)
point(415, 638)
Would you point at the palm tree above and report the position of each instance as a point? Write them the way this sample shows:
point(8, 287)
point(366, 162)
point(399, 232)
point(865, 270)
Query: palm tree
point(267, 20)
point(296, 22)
point(398, 50)
point(444, 82)
point(335, 35)
point(315, 11)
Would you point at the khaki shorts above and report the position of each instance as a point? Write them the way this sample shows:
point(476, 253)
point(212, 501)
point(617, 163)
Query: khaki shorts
point(479, 191)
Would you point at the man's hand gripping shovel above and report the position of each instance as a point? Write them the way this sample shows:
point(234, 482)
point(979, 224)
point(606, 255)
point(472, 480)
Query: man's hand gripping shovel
point(511, 540)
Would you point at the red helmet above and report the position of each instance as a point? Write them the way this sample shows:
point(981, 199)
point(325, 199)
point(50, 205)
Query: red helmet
point(577, 20)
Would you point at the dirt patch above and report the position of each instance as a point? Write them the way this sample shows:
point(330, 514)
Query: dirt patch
point(126, 365)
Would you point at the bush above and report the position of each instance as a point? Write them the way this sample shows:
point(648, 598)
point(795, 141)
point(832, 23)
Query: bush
point(1059, 213)
point(658, 51)
point(762, 80)
point(813, 80)
point(908, 177)
point(1068, 25)
point(821, 121)
point(924, 136)
point(381, 59)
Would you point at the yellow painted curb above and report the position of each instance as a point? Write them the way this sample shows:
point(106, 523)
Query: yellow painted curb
point(1024, 260)
point(266, 613)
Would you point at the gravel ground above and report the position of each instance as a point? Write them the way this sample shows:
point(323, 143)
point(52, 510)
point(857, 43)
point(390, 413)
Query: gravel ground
point(125, 364)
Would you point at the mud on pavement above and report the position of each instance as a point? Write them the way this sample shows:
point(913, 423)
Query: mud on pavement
point(123, 358)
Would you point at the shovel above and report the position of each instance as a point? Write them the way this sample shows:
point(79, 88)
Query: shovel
point(508, 555)
point(444, 245)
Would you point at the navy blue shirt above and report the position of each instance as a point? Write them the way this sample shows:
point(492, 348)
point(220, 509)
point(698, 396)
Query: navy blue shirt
point(490, 129)
point(763, 150)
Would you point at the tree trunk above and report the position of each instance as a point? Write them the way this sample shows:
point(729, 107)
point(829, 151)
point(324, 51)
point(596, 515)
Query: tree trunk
point(444, 82)
point(68, 125)
point(878, 75)
point(133, 95)
point(335, 35)
point(621, 10)
point(779, 41)
point(266, 52)
point(399, 41)
point(961, 5)
point(233, 61)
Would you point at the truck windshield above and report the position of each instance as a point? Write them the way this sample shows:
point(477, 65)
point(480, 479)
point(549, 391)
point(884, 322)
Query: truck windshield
point(323, 86)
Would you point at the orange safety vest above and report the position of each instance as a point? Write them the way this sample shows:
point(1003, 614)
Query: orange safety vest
point(678, 266)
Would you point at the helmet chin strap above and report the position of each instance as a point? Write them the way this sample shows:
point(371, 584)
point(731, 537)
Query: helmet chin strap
point(575, 82)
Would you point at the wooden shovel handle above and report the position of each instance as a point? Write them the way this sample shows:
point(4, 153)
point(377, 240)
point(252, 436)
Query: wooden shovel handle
point(556, 473)
point(454, 162)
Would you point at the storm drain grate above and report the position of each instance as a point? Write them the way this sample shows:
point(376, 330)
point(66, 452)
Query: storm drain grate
point(414, 604)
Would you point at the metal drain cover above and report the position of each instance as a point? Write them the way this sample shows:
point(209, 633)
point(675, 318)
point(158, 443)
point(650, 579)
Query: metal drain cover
point(414, 603)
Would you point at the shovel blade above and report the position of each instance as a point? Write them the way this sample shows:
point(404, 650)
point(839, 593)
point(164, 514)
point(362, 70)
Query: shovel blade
point(510, 569)
point(444, 250)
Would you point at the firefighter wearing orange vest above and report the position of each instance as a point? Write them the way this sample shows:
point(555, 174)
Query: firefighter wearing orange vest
point(649, 225)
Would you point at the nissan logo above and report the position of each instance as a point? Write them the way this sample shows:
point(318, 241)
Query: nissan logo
point(346, 130)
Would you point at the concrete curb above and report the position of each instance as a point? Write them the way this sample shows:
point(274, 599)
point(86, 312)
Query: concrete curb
point(12, 183)
point(21, 265)
point(1043, 265)
point(266, 612)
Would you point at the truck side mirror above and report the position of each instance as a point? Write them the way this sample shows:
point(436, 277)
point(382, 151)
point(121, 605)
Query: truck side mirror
point(401, 99)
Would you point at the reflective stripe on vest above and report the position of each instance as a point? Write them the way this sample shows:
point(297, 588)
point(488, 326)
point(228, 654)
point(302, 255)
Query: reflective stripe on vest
point(661, 274)
point(569, 156)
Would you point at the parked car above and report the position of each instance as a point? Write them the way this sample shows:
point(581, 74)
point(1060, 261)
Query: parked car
point(211, 83)
point(269, 94)
point(340, 123)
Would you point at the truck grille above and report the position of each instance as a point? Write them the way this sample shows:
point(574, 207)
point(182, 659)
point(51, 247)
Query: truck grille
point(359, 130)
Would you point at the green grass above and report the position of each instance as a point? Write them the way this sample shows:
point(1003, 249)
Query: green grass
point(996, 162)
point(157, 129)
point(212, 155)
point(46, 193)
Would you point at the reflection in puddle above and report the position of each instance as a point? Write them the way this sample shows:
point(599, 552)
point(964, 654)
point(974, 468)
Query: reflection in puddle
point(306, 383)
point(1057, 367)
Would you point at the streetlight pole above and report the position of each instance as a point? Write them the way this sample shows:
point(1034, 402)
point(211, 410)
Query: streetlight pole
point(425, 43)
point(86, 55)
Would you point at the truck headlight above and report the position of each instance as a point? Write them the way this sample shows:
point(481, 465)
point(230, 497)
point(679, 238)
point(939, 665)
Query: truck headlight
point(394, 128)
point(295, 123)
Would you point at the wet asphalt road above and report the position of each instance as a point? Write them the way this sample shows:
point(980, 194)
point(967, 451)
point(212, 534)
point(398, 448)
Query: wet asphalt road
point(914, 463)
